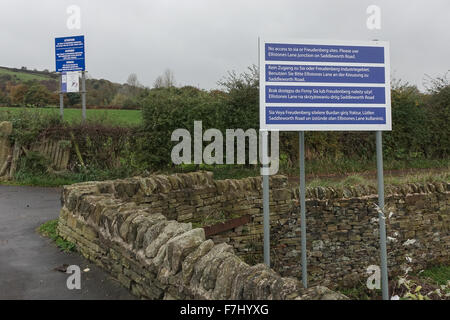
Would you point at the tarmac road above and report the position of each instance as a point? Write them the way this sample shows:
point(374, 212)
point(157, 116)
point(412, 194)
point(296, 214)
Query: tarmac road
point(27, 260)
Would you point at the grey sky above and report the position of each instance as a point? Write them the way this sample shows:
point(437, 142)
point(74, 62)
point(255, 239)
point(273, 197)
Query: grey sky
point(200, 40)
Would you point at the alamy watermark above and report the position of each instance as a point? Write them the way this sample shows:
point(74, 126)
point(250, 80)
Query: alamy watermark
point(374, 279)
point(74, 19)
point(373, 21)
point(74, 280)
point(213, 153)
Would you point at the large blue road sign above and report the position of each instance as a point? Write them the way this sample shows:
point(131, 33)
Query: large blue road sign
point(324, 85)
point(69, 54)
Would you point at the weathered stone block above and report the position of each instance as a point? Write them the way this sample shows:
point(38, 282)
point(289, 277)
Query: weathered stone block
point(172, 229)
point(179, 247)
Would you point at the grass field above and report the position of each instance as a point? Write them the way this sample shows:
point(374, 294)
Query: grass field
point(114, 117)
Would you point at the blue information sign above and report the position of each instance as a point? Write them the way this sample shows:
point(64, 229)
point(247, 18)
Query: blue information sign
point(69, 54)
point(324, 85)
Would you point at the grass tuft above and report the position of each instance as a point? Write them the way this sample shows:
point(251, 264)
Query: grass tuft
point(439, 274)
point(50, 230)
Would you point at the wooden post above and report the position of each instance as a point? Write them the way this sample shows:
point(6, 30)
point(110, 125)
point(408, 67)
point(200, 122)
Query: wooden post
point(15, 159)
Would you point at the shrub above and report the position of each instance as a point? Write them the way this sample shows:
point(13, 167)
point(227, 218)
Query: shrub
point(28, 125)
point(437, 104)
point(409, 131)
point(100, 146)
point(167, 109)
point(33, 163)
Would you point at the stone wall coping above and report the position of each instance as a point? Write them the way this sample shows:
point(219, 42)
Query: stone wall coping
point(157, 184)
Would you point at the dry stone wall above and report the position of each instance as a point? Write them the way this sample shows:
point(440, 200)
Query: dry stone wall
point(125, 227)
point(128, 225)
point(343, 235)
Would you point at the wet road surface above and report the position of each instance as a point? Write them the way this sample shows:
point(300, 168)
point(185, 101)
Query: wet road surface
point(27, 260)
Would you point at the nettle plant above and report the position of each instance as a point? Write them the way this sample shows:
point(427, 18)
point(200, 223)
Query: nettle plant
point(405, 287)
point(409, 289)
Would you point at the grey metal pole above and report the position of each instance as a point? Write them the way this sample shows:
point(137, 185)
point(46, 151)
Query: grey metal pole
point(265, 177)
point(381, 218)
point(61, 98)
point(303, 207)
point(83, 95)
point(266, 212)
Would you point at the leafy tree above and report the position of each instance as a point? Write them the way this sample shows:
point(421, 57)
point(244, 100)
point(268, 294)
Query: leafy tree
point(100, 92)
point(37, 96)
point(3, 98)
point(119, 99)
point(73, 98)
point(17, 94)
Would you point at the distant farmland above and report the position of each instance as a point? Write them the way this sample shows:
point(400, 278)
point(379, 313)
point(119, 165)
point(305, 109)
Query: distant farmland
point(27, 75)
point(113, 117)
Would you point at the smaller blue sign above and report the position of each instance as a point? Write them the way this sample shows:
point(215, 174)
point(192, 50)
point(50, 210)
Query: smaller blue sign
point(320, 73)
point(69, 54)
point(325, 94)
point(325, 115)
point(64, 82)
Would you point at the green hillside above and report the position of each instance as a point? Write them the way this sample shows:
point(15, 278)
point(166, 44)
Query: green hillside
point(25, 75)
point(32, 88)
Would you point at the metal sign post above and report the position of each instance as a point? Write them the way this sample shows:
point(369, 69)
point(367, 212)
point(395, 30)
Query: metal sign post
point(61, 97)
point(266, 208)
point(322, 85)
point(382, 217)
point(83, 95)
point(265, 179)
point(303, 207)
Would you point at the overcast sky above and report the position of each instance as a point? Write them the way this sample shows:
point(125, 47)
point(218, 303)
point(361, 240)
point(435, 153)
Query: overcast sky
point(200, 40)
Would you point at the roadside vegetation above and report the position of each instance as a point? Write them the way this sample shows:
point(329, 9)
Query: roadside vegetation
point(429, 284)
point(50, 230)
point(113, 117)
point(118, 143)
point(390, 178)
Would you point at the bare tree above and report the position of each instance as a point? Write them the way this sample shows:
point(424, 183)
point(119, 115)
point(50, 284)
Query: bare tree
point(132, 81)
point(169, 78)
point(166, 80)
point(158, 82)
point(133, 85)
